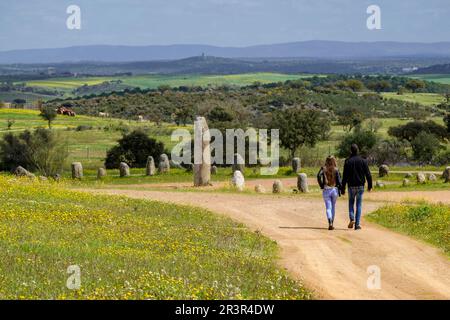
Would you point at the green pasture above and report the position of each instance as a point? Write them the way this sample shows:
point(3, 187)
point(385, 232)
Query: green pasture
point(440, 78)
point(154, 81)
point(427, 99)
point(424, 221)
point(90, 146)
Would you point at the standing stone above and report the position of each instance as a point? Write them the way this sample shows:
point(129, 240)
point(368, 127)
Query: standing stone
point(164, 165)
point(406, 182)
point(277, 186)
point(260, 189)
point(421, 178)
point(296, 165)
point(302, 183)
point(213, 170)
point(238, 180)
point(432, 177)
point(383, 171)
point(202, 156)
point(446, 175)
point(379, 184)
point(101, 173)
point(124, 170)
point(43, 178)
point(238, 163)
point(150, 168)
point(22, 172)
point(77, 170)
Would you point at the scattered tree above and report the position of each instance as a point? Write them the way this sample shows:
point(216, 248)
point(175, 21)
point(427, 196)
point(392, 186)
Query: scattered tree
point(355, 85)
point(10, 123)
point(134, 149)
point(48, 114)
point(42, 150)
point(349, 118)
point(19, 103)
point(365, 139)
point(425, 147)
point(380, 86)
point(414, 85)
point(299, 126)
point(412, 129)
point(390, 151)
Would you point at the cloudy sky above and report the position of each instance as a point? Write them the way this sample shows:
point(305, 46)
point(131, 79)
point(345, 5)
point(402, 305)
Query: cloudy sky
point(42, 23)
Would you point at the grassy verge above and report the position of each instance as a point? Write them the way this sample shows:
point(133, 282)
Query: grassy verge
point(424, 221)
point(129, 249)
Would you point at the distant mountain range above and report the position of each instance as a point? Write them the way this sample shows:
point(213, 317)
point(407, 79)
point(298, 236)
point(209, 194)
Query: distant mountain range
point(307, 49)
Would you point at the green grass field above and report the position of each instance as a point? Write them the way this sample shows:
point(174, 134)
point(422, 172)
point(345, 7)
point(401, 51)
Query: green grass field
point(154, 81)
point(427, 222)
point(129, 249)
point(90, 146)
point(426, 99)
point(440, 78)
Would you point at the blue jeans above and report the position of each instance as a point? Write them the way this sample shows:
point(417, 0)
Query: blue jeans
point(330, 196)
point(355, 193)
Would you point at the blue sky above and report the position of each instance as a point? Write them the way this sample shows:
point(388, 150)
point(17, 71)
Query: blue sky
point(42, 23)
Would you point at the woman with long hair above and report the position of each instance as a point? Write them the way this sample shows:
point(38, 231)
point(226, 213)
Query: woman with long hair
point(330, 182)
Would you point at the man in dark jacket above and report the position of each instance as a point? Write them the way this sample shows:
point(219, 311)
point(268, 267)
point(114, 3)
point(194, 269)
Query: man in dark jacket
point(356, 172)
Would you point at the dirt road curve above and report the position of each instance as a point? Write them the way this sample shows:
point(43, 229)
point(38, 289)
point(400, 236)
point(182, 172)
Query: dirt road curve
point(335, 263)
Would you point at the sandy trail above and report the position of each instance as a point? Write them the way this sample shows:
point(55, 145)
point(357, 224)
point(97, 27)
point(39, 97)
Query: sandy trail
point(335, 263)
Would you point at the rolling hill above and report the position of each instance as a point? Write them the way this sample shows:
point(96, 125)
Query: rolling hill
point(305, 49)
point(435, 69)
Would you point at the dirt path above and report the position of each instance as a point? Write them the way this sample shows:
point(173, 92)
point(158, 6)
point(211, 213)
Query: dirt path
point(334, 263)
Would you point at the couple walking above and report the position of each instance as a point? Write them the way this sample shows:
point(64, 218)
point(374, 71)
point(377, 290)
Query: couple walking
point(356, 172)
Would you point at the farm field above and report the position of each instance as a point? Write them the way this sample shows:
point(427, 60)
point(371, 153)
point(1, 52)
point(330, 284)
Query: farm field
point(93, 137)
point(154, 81)
point(440, 78)
point(96, 135)
point(427, 99)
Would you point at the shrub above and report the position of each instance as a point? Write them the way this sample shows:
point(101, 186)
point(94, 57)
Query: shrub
point(390, 151)
point(410, 130)
point(365, 139)
point(429, 222)
point(134, 149)
point(48, 114)
point(425, 147)
point(443, 158)
point(83, 128)
point(299, 127)
point(447, 122)
point(41, 151)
